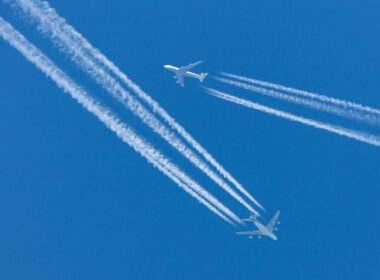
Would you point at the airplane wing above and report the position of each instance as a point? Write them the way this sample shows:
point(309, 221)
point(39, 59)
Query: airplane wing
point(191, 65)
point(253, 232)
point(179, 78)
point(272, 222)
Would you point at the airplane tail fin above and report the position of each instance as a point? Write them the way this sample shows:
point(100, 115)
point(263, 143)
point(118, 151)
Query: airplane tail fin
point(202, 77)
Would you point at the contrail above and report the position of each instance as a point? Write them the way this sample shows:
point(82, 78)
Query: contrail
point(357, 135)
point(324, 98)
point(322, 106)
point(72, 43)
point(91, 60)
point(127, 135)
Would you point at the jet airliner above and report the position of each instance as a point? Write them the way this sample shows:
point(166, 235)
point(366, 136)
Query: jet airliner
point(183, 71)
point(262, 230)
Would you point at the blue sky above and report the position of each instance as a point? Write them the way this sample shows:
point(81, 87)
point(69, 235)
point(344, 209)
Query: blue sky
point(78, 203)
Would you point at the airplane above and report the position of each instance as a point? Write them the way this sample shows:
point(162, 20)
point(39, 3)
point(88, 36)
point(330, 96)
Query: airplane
point(183, 71)
point(262, 229)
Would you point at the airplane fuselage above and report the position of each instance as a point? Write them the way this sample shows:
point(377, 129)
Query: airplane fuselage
point(264, 231)
point(187, 73)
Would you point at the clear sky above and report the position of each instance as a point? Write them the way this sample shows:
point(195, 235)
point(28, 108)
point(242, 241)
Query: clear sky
point(77, 203)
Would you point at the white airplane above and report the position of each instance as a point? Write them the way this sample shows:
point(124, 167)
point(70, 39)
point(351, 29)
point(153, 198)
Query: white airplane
point(262, 229)
point(183, 71)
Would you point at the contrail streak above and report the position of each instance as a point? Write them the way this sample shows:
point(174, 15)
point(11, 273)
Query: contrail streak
point(322, 106)
point(324, 98)
point(360, 136)
point(71, 46)
point(87, 57)
point(127, 135)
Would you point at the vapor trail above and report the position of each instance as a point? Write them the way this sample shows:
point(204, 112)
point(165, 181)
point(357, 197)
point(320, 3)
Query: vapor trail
point(321, 106)
point(92, 61)
point(127, 135)
point(324, 98)
point(357, 135)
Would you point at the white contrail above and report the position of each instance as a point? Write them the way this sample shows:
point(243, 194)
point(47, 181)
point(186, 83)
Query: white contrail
point(153, 156)
point(75, 44)
point(357, 135)
point(72, 43)
point(324, 98)
point(322, 106)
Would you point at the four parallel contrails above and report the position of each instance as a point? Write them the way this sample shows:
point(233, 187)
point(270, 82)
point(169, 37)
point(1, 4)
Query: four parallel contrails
point(106, 74)
point(122, 130)
point(100, 69)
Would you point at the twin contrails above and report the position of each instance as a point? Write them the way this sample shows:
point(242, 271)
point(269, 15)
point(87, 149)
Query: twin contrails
point(115, 82)
point(357, 135)
point(312, 95)
point(315, 101)
point(311, 100)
